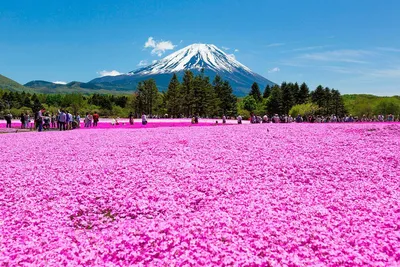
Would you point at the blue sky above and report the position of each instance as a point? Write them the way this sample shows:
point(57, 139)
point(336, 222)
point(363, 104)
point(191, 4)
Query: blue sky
point(351, 45)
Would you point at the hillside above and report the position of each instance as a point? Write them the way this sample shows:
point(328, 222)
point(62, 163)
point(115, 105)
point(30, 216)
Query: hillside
point(360, 104)
point(11, 85)
point(46, 87)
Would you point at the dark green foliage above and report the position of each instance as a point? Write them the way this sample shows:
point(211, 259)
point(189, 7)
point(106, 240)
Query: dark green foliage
point(255, 92)
point(274, 103)
point(146, 97)
point(249, 103)
point(267, 92)
point(303, 94)
point(226, 100)
point(287, 97)
point(172, 97)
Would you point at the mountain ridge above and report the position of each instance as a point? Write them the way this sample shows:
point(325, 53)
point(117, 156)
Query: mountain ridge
point(193, 57)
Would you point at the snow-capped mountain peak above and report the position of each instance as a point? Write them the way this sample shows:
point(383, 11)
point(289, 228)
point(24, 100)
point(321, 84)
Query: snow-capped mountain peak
point(195, 56)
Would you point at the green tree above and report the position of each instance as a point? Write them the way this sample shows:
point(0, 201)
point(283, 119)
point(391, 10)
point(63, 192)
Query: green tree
point(387, 106)
point(146, 97)
point(249, 103)
point(173, 100)
point(226, 100)
point(337, 105)
point(187, 93)
point(274, 102)
point(255, 92)
point(37, 105)
point(304, 110)
point(287, 97)
point(304, 94)
point(267, 91)
point(318, 96)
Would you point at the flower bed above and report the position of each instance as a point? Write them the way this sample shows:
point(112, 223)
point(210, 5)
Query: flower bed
point(296, 194)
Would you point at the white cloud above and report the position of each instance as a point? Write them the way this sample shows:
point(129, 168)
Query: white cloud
point(142, 63)
point(60, 82)
point(236, 50)
point(225, 48)
point(276, 69)
point(109, 73)
point(159, 47)
point(275, 44)
point(154, 61)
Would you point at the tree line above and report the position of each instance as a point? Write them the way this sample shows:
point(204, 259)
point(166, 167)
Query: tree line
point(293, 99)
point(197, 95)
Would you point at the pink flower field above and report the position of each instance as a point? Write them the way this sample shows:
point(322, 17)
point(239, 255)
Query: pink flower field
point(242, 195)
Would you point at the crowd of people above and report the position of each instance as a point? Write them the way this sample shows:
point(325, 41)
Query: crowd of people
point(62, 120)
point(319, 119)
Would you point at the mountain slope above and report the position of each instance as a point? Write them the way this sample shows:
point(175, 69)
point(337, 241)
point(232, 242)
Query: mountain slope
point(193, 57)
point(8, 84)
point(46, 87)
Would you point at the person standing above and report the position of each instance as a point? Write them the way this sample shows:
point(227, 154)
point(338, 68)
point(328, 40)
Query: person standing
point(144, 119)
point(86, 120)
point(22, 120)
point(27, 120)
point(66, 119)
point(78, 121)
point(62, 120)
point(90, 121)
point(223, 119)
point(39, 120)
point(8, 119)
point(53, 120)
point(95, 118)
point(239, 119)
point(131, 118)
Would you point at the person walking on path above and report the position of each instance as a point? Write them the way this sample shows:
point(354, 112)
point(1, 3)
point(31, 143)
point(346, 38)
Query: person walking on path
point(223, 119)
point(131, 118)
point(95, 119)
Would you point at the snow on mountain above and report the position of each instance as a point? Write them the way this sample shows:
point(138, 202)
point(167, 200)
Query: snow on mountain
point(195, 56)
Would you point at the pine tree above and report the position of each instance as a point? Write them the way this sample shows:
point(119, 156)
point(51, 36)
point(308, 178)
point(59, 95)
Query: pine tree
point(287, 97)
point(267, 91)
point(327, 101)
point(318, 96)
point(227, 101)
point(187, 93)
point(337, 103)
point(146, 97)
point(255, 92)
point(295, 90)
point(36, 104)
point(304, 94)
point(173, 96)
point(274, 103)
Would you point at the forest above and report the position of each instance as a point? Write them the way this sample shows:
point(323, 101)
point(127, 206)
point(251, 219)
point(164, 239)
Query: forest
point(197, 95)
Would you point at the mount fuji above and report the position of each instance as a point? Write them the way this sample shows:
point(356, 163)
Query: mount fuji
point(193, 57)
